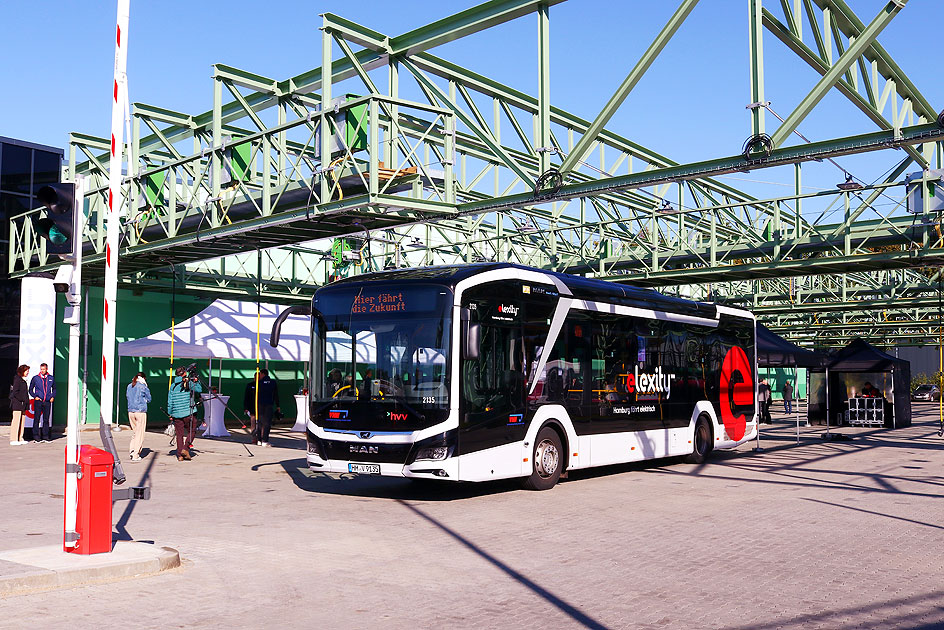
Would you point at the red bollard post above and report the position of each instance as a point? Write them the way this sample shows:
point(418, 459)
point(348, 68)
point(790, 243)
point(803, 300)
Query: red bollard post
point(93, 514)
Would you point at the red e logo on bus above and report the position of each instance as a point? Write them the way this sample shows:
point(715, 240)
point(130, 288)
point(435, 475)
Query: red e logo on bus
point(737, 388)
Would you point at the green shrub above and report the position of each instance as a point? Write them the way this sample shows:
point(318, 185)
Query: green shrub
point(923, 379)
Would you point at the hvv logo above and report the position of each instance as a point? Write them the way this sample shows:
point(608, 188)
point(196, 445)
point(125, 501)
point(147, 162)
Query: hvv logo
point(397, 417)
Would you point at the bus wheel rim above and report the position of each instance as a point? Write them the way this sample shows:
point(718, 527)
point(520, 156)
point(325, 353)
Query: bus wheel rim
point(701, 439)
point(546, 459)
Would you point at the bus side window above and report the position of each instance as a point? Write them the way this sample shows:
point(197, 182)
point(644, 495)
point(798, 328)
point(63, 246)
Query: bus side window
point(574, 383)
point(577, 375)
point(555, 384)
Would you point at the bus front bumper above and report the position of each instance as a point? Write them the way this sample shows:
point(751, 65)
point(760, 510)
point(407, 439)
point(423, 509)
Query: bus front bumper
point(393, 458)
point(446, 469)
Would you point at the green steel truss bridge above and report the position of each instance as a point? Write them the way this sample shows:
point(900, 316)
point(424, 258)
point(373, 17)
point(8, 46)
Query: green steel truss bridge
point(286, 184)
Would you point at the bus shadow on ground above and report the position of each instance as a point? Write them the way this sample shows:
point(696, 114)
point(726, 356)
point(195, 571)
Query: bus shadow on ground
point(676, 464)
point(433, 490)
point(779, 453)
point(918, 611)
point(386, 487)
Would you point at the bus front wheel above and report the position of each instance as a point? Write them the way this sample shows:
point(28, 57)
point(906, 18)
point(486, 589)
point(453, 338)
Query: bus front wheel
point(701, 442)
point(547, 461)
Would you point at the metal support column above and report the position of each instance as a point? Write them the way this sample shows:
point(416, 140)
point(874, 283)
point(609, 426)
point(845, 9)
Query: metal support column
point(544, 90)
point(327, 76)
point(756, 57)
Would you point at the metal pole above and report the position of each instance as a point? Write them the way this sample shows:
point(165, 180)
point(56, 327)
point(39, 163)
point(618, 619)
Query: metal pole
point(808, 424)
point(112, 236)
point(85, 351)
point(755, 11)
point(893, 401)
point(758, 416)
point(70, 537)
point(118, 404)
point(827, 402)
point(796, 399)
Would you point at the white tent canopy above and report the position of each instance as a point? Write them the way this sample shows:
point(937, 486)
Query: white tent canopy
point(338, 348)
point(227, 330)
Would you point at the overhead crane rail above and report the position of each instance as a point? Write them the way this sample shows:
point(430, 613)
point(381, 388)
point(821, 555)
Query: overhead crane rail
point(287, 216)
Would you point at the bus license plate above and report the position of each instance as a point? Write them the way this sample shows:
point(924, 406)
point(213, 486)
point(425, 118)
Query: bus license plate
point(364, 469)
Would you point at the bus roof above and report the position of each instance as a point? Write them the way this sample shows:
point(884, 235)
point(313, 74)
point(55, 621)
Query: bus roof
point(582, 288)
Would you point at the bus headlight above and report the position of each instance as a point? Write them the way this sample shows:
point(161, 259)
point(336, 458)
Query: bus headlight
point(434, 452)
point(434, 448)
point(314, 445)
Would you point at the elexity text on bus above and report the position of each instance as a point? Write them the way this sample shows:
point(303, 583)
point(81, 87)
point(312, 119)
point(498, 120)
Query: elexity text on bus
point(491, 371)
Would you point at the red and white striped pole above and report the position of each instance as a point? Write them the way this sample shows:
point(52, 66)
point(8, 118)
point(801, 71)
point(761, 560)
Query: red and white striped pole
point(113, 230)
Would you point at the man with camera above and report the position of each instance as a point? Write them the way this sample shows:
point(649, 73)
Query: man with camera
point(182, 407)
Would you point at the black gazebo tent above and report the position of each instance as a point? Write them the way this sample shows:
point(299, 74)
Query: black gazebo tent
point(853, 363)
point(775, 351)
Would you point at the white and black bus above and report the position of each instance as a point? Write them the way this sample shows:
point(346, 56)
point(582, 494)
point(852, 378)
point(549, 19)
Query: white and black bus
point(492, 371)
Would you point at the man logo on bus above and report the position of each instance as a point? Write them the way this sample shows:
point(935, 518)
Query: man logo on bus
point(737, 389)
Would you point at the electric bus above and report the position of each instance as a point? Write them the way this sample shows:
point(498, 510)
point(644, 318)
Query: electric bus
point(494, 370)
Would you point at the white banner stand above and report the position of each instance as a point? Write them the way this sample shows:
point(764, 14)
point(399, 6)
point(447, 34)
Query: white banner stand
point(37, 330)
point(215, 406)
point(301, 415)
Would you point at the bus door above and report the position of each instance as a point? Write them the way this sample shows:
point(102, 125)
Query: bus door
point(614, 366)
point(574, 365)
point(492, 410)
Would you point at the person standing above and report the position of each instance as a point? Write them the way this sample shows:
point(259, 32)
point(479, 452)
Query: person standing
point(19, 402)
point(249, 406)
point(788, 397)
point(268, 403)
point(42, 390)
point(138, 396)
point(763, 399)
point(182, 407)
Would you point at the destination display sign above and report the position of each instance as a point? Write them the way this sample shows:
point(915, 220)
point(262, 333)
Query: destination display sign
point(384, 302)
point(388, 300)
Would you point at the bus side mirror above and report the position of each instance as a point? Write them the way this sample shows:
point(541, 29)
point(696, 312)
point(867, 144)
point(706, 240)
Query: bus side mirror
point(471, 335)
point(298, 309)
point(473, 339)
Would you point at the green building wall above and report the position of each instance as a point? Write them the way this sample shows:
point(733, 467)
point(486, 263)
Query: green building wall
point(777, 378)
point(139, 315)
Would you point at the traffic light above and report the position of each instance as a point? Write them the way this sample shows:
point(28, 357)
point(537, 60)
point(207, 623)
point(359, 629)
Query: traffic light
point(59, 226)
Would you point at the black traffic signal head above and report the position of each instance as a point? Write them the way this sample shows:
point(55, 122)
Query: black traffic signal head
point(58, 227)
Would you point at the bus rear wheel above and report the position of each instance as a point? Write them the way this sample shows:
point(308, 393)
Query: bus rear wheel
point(701, 442)
point(547, 461)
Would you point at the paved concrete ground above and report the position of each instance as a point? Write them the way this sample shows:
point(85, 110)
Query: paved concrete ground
point(820, 535)
point(31, 569)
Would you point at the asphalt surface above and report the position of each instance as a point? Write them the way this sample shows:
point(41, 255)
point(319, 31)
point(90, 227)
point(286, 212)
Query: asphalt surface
point(820, 534)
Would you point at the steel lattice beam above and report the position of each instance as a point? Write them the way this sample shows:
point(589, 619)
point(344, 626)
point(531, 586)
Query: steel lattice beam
point(241, 182)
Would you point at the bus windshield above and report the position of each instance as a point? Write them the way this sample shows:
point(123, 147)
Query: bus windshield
point(386, 345)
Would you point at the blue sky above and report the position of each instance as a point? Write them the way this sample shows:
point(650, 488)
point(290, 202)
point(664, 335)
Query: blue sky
point(58, 58)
